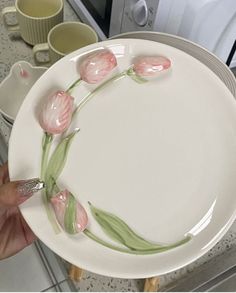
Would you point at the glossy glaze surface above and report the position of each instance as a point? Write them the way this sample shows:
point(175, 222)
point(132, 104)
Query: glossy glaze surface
point(166, 140)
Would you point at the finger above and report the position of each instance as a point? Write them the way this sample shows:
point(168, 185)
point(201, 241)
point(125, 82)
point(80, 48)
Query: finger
point(30, 237)
point(4, 174)
point(15, 235)
point(16, 192)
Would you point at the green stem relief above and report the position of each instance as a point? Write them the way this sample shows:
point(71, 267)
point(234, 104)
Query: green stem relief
point(46, 145)
point(99, 88)
point(75, 84)
point(50, 214)
point(135, 77)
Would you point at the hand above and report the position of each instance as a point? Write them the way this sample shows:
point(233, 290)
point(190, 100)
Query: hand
point(15, 234)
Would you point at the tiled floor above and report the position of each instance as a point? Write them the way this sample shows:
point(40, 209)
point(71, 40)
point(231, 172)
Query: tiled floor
point(38, 269)
point(35, 268)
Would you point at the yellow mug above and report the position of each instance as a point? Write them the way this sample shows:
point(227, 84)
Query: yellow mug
point(35, 18)
point(63, 39)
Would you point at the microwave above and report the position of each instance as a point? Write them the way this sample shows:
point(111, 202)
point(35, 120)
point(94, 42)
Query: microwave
point(209, 23)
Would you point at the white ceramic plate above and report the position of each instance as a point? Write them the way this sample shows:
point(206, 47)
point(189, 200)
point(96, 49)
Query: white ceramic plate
point(161, 156)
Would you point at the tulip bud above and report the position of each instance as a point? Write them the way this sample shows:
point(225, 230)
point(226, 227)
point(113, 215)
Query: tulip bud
point(150, 66)
point(96, 66)
point(70, 213)
point(56, 113)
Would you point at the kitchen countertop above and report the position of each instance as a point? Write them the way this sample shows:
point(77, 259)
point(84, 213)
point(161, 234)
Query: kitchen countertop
point(13, 49)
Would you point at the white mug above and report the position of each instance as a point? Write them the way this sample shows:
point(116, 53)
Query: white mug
point(63, 39)
point(35, 18)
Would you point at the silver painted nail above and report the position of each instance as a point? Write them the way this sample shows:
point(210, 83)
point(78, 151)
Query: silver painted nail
point(29, 187)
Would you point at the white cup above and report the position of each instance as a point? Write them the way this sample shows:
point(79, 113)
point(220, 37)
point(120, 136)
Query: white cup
point(63, 39)
point(35, 18)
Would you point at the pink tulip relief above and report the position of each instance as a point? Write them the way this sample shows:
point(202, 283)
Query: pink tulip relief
point(96, 66)
point(56, 113)
point(150, 66)
point(70, 213)
point(55, 118)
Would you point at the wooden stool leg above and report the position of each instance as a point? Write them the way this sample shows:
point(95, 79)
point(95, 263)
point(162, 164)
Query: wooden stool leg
point(152, 284)
point(75, 273)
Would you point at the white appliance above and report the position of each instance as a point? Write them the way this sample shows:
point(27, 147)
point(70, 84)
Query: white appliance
point(210, 23)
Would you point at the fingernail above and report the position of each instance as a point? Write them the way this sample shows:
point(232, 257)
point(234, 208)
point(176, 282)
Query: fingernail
point(28, 187)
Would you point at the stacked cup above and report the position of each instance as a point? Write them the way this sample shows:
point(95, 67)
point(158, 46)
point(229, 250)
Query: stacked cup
point(40, 23)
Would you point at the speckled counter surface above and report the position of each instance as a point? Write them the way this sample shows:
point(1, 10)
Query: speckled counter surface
point(13, 49)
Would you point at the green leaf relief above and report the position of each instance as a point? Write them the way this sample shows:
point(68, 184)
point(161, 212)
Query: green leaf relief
point(119, 231)
point(70, 215)
point(135, 77)
point(46, 145)
point(57, 162)
point(54, 188)
point(92, 236)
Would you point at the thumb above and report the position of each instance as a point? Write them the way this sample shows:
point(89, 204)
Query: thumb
point(16, 192)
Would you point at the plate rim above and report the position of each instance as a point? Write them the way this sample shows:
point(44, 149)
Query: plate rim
point(135, 276)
